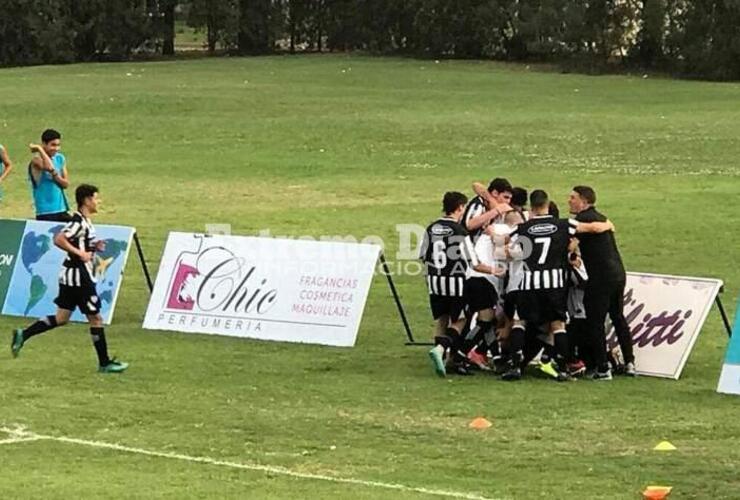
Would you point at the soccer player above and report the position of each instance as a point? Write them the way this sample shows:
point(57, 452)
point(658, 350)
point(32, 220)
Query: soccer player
point(482, 288)
point(519, 202)
point(5, 167)
point(77, 282)
point(446, 252)
point(604, 292)
point(578, 277)
point(543, 244)
point(488, 206)
point(48, 175)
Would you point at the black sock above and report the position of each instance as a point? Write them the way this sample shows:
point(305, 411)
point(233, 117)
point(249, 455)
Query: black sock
point(458, 345)
point(482, 344)
point(516, 345)
point(101, 348)
point(41, 326)
point(561, 348)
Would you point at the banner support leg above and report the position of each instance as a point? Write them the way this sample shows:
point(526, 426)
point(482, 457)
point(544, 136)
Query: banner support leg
point(724, 315)
point(143, 262)
point(401, 312)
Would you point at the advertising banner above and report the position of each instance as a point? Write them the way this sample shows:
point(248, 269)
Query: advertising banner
point(263, 288)
point(665, 315)
point(729, 379)
point(31, 285)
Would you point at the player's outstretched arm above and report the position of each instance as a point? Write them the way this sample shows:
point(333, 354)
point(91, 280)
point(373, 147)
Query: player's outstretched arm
point(494, 209)
point(595, 227)
point(481, 191)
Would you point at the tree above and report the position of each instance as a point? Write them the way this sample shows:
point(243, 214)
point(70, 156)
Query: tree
point(254, 26)
point(218, 18)
point(649, 47)
point(167, 9)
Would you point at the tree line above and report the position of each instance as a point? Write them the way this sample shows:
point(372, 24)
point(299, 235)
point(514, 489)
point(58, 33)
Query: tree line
point(695, 38)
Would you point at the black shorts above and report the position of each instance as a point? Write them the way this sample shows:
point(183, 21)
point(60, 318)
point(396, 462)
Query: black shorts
point(454, 307)
point(57, 217)
point(85, 298)
point(541, 306)
point(510, 303)
point(479, 294)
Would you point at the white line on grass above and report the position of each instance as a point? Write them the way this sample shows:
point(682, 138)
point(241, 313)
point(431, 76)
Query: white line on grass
point(20, 434)
point(19, 440)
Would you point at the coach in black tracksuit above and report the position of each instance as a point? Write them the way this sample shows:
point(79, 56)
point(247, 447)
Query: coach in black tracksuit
point(604, 292)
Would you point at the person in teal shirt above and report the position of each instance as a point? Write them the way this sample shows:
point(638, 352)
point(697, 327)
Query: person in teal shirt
point(5, 167)
point(47, 173)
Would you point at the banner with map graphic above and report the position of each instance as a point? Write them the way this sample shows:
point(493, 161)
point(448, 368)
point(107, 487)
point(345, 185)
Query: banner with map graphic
point(30, 264)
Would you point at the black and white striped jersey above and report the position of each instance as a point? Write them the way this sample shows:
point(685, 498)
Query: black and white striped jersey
point(542, 244)
point(81, 234)
point(474, 208)
point(447, 252)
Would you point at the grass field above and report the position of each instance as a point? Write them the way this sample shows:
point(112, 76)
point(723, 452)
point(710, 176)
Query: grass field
point(348, 145)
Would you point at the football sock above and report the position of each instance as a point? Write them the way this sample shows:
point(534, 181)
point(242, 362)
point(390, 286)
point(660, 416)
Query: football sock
point(41, 326)
point(561, 348)
point(482, 344)
point(101, 348)
point(516, 344)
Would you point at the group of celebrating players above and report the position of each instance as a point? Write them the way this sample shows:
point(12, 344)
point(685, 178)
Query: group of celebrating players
point(511, 286)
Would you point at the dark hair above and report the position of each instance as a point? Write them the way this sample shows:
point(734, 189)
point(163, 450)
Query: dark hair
point(83, 192)
point(587, 193)
point(553, 210)
point(499, 185)
point(538, 199)
point(452, 201)
point(50, 135)
point(518, 196)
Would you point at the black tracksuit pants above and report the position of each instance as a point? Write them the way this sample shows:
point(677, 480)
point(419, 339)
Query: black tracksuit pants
point(604, 297)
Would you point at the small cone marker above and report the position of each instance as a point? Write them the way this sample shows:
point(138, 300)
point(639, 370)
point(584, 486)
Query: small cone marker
point(664, 446)
point(480, 423)
point(656, 492)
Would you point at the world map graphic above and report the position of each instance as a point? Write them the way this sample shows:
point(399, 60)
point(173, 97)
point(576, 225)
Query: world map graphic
point(35, 281)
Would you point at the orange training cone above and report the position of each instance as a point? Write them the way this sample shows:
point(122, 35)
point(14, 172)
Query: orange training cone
point(480, 423)
point(656, 492)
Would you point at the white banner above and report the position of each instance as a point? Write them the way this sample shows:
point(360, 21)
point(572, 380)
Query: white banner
point(263, 288)
point(665, 315)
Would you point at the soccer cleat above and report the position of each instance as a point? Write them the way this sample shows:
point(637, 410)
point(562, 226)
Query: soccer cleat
point(576, 369)
point(607, 375)
point(512, 374)
point(478, 360)
point(463, 369)
point(113, 366)
point(16, 342)
point(630, 370)
point(437, 361)
point(499, 365)
point(548, 369)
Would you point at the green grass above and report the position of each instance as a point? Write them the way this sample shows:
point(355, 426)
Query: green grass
point(348, 145)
